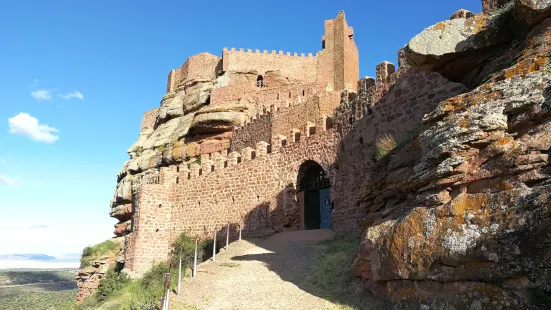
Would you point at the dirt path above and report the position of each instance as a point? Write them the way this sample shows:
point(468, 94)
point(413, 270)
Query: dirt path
point(259, 274)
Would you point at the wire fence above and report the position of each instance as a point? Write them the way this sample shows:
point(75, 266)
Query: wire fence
point(165, 299)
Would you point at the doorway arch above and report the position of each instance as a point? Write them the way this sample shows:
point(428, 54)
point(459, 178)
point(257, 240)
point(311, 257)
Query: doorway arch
point(313, 188)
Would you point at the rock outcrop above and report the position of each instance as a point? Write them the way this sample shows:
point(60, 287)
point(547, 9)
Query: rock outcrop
point(466, 222)
point(89, 276)
point(185, 126)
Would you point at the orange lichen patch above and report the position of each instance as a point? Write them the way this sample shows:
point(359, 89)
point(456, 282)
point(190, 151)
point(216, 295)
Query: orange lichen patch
point(538, 64)
point(477, 24)
point(527, 66)
point(467, 202)
point(505, 141)
point(506, 185)
point(463, 123)
point(440, 26)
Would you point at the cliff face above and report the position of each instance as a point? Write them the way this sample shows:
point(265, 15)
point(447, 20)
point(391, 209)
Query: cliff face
point(466, 208)
point(181, 129)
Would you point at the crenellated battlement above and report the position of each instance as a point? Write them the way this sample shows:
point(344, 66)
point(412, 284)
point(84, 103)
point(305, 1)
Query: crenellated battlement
point(218, 162)
point(281, 94)
point(266, 52)
point(298, 66)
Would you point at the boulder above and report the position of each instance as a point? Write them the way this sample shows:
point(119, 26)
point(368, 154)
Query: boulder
point(121, 212)
point(123, 228)
point(163, 133)
point(217, 122)
point(529, 13)
point(232, 78)
point(274, 78)
point(462, 14)
point(172, 105)
point(197, 95)
point(124, 190)
point(491, 6)
point(456, 47)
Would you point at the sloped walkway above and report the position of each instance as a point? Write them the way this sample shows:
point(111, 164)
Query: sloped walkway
point(258, 274)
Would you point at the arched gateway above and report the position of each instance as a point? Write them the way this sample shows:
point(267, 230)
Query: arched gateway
point(313, 195)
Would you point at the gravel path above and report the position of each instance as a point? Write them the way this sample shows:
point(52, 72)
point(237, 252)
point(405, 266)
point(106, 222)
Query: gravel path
point(259, 274)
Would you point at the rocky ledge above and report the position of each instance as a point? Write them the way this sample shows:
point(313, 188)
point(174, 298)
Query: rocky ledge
point(466, 216)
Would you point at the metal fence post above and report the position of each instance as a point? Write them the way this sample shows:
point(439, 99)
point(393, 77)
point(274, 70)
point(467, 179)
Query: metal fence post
point(240, 232)
point(228, 237)
point(180, 275)
point(166, 295)
point(167, 299)
point(195, 260)
point(214, 246)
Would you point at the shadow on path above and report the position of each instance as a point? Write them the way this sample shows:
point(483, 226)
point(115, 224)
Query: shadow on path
point(317, 265)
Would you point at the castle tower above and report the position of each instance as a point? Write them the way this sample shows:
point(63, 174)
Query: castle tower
point(338, 63)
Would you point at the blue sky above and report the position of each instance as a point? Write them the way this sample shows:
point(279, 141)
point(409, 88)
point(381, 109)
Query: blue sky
point(76, 77)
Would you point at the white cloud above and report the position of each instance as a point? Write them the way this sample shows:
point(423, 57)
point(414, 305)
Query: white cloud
point(42, 94)
point(28, 126)
point(5, 181)
point(76, 94)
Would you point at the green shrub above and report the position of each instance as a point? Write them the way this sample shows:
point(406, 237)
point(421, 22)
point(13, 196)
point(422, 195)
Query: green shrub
point(117, 290)
point(91, 252)
point(154, 278)
point(111, 284)
point(138, 149)
point(184, 246)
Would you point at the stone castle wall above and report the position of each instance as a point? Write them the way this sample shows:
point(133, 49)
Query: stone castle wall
point(277, 96)
point(200, 66)
point(396, 108)
point(148, 119)
point(252, 133)
point(301, 67)
point(256, 185)
point(254, 188)
point(297, 112)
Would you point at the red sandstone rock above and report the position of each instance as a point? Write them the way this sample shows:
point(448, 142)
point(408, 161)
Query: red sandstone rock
point(462, 14)
point(490, 6)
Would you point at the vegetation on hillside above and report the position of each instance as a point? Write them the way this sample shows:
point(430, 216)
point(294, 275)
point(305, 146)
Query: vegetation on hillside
point(93, 252)
point(15, 277)
point(25, 300)
point(118, 291)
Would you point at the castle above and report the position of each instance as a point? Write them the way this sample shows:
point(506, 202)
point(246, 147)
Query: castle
point(441, 164)
point(287, 166)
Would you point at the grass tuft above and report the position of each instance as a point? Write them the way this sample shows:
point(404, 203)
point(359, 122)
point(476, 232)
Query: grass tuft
point(385, 145)
point(92, 252)
point(333, 277)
